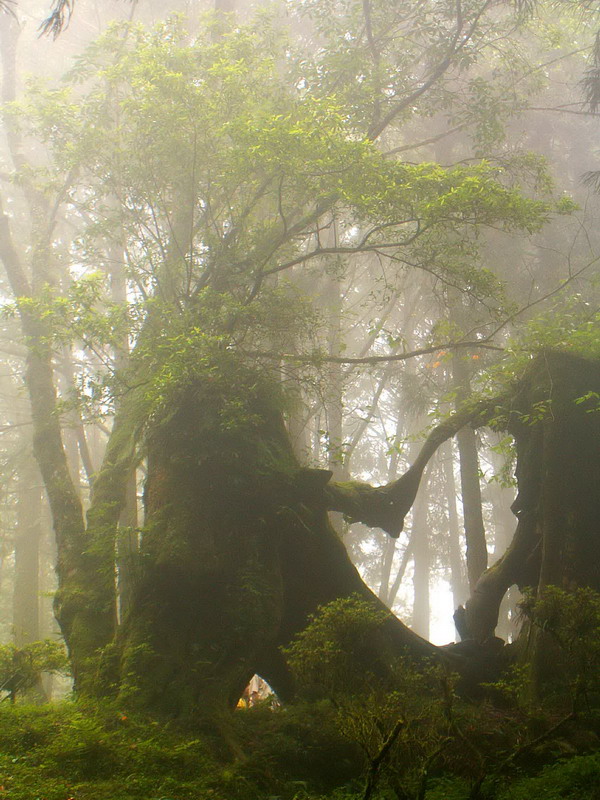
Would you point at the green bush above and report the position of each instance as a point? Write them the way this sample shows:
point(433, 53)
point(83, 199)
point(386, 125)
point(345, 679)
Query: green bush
point(20, 667)
point(575, 779)
point(300, 752)
point(100, 753)
point(297, 747)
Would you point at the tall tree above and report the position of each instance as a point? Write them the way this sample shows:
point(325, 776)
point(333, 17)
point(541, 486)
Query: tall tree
point(225, 156)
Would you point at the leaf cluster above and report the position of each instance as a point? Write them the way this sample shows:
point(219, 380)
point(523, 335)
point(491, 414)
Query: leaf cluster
point(572, 619)
point(20, 666)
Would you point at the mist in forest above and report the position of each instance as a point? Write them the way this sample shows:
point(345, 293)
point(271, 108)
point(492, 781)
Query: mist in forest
point(520, 111)
point(275, 283)
point(298, 399)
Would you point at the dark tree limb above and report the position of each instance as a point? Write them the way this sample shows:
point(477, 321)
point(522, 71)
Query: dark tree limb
point(519, 565)
point(386, 506)
point(559, 480)
point(380, 758)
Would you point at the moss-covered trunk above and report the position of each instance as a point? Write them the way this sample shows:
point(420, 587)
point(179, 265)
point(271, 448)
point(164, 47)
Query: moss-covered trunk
point(237, 552)
point(555, 419)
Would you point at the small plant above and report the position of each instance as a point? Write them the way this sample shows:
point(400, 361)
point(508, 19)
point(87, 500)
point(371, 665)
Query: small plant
point(575, 779)
point(20, 667)
point(572, 621)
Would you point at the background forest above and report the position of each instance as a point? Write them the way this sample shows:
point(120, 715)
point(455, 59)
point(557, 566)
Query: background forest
point(299, 324)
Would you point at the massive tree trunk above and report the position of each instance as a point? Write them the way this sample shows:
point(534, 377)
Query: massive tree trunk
point(237, 550)
point(554, 419)
point(237, 553)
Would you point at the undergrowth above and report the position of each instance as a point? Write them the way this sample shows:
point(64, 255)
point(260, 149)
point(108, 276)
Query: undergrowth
point(76, 751)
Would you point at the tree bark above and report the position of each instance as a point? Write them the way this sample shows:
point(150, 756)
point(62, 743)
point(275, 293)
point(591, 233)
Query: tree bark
point(558, 501)
point(26, 606)
point(386, 506)
point(466, 440)
point(84, 602)
point(422, 566)
point(457, 571)
point(237, 554)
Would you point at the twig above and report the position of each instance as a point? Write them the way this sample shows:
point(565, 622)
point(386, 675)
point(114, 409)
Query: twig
point(380, 758)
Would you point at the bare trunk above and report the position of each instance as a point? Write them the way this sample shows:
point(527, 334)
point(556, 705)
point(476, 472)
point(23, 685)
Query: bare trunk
point(469, 481)
point(422, 565)
point(26, 596)
point(457, 571)
point(389, 548)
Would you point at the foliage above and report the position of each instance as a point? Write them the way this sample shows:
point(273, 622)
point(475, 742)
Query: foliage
point(299, 743)
point(212, 160)
point(78, 751)
point(216, 164)
point(571, 325)
point(98, 752)
point(20, 667)
point(575, 779)
point(319, 656)
point(443, 747)
point(572, 620)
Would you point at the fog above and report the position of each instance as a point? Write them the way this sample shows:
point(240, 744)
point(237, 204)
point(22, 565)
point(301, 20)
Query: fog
point(159, 209)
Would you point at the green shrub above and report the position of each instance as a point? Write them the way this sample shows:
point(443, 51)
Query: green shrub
point(575, 779)
point(20, 667)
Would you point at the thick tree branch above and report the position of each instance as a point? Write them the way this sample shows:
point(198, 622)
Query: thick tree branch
point(386, 506)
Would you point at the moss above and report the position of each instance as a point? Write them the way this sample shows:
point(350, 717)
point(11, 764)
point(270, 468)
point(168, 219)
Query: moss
point(575, 779)
point(100, 752)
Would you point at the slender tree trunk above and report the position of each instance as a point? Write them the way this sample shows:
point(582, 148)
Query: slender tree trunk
point(469, 480)
point(335, 390)
point(127, 544)
point(387, 560)
point(26, 605)
point(422, 566)
point(84, 603)
point(127, 551)
point(389, 548)
point(457, 571)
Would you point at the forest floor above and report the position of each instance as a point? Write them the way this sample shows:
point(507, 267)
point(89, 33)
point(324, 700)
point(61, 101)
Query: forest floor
point(74, 751)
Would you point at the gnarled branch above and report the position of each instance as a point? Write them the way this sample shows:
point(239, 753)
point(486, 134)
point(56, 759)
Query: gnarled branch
point(387, 506)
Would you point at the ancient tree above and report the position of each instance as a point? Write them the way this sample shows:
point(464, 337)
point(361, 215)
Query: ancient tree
point(216, 169)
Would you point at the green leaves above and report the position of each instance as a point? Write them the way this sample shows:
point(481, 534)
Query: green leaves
point(79, 314)
point(214, 163)
point(20, 667)
point(212, 153)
